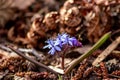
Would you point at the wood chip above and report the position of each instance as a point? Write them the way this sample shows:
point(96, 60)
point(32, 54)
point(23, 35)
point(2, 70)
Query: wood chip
point(107, 51)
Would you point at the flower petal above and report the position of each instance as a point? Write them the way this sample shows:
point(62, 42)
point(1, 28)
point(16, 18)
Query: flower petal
point(52, 51)
point(57, 48)
point(47, 46)
point(70, 43)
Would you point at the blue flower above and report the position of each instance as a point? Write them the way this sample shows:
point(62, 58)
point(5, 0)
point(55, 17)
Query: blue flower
point(63, 39)
point(51, 45)
point(75, 42)
point(66, 40)
point(54, 49)
point(58, 40)
point(64, 35)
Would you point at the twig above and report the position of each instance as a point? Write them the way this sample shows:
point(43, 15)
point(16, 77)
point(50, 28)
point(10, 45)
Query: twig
point(82, 57)
point(107, 51)
point(32, 50)
point(116, 52)
point(24, 50)
point(33, 61)
point(3, 47)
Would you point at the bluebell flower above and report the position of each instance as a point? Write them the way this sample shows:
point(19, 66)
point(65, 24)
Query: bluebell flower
point(63, 39)
point(58, 40)
point(67, 40)
point(51, 45)
point(75, 42)
point(54, 49)
point(64, 35)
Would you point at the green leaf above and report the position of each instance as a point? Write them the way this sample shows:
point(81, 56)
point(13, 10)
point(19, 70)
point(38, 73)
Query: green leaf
point(85, 55)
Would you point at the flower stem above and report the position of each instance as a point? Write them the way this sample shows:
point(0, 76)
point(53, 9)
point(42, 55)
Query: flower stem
point(62, 64)
point(63, 56)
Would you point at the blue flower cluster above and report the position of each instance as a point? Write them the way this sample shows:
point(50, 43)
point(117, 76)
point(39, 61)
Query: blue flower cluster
point(57, 44)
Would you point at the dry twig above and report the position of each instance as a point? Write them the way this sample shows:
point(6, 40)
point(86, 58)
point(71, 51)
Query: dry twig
point(33, 61)
point(107, 51)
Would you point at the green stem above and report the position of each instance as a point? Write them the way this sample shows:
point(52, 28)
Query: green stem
point(82, 57)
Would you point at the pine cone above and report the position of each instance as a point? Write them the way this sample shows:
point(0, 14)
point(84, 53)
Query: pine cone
point(51, 19)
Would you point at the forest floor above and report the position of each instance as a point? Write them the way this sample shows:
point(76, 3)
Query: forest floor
point(93, 34)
